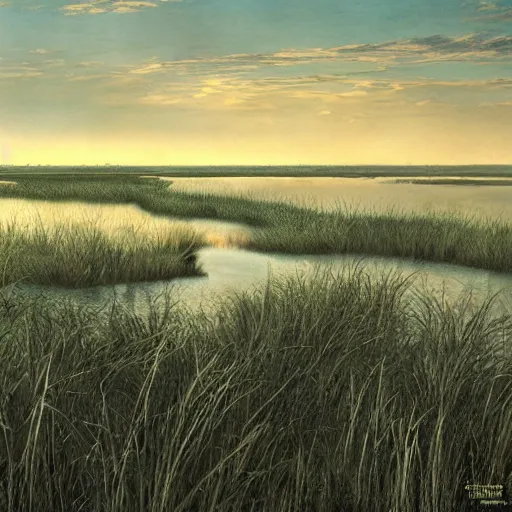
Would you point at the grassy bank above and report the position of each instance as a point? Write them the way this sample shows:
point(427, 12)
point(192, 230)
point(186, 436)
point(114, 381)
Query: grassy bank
point(285, 228)
point(319, 395)
point(80, 255)
point(429, 237)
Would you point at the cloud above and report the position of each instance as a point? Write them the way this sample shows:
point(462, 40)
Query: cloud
point(488, 6)
point(503, 15)
point(206, 83)
point(253, 82)
point(318, 93)
point(239, 79)
point(432, 49)
point(21, 71)
point(89, 64)
point(437, 48)
point(500, 104)
point(159, 99)
point(54, 63)
point(85, 78)
point(488, 10)
point(149, 68)
point(10, 70)
point(117, 6)
point(244, 80)
point(210, 93)
point(77, 7)
point(40, 51)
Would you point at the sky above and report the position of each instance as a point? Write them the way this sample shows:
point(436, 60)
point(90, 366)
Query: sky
point(255, 82)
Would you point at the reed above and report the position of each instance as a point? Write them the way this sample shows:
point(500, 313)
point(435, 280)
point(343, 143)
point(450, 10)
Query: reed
point(334, 392)
point(82, 254)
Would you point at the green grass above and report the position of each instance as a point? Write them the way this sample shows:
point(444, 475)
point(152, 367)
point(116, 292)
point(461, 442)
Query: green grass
point(427, 237)
point(326, 394)
point(479, 243)
point(80, 255)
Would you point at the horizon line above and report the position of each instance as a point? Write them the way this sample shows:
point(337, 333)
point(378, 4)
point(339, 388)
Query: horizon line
point(247, 165)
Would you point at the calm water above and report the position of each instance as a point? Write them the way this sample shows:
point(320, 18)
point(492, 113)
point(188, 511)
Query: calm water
point(374, 194)
point(230, 268)
point(115, 219)
point(236, 270)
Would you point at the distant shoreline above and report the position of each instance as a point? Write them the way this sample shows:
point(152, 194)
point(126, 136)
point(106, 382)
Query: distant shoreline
point(342, 171)
point(483, 182)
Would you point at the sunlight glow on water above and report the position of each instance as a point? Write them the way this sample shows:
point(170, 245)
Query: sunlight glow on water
point(373, 194)
point(116, 219)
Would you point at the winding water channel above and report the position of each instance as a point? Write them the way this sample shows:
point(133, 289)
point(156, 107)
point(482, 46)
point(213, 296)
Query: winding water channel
point(231, 268)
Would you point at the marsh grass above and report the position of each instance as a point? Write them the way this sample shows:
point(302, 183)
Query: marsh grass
point(328, 393)
point(77, 254)
point(436, 237)
point(280, 227)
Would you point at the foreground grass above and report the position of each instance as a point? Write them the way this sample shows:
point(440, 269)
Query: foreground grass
point(485, 244)
point(79, 255)
point(333, 393)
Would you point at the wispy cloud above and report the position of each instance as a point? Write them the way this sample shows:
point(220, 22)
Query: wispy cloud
point(89, 64)
point(250, 81)
point(104, 6)
point(320, 93)
point(436, 48)
point(267, 82)
point(491, 10)
point(501, 15)
point(92, 6)
point(485, 5)
point(497, 105)
point(19, 71)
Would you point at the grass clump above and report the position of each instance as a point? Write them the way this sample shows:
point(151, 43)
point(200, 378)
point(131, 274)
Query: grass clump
point(435, 237)
point(336, 392)
point(81, 255)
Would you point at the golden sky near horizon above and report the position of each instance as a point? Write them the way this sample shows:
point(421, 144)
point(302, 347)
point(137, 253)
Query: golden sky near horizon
point(225, 82)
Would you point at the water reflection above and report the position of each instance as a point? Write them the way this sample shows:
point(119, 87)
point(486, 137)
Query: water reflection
point(374, 194)
point(237, 270)
point(116, 220)
point(231, 269)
